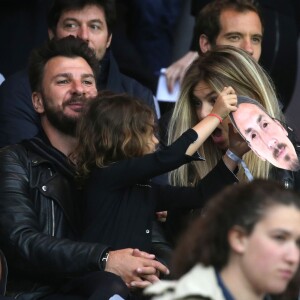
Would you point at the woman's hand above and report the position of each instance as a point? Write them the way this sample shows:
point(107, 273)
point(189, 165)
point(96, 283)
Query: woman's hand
point(225, 103)
point(237, 143)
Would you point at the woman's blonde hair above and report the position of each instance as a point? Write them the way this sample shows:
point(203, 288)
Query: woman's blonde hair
point(220, 67)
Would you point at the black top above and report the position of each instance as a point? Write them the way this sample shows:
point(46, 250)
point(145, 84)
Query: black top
point(121, 200)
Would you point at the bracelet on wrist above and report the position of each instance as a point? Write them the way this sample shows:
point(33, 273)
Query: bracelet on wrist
point(216, 116)
point(103, 260)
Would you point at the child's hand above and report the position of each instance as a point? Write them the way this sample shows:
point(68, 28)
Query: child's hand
point(225, 103)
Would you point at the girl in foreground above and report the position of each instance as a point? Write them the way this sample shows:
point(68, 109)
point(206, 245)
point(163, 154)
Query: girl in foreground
point(117, 158)
point(245, 246)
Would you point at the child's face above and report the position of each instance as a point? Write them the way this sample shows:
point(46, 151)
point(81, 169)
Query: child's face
point(152, 142)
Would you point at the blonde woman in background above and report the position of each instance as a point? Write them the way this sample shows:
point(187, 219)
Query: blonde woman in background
point(207, 76)
point(205, 79)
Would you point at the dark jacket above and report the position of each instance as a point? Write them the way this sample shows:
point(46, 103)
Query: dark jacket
point(39, 220)
point(18, 119)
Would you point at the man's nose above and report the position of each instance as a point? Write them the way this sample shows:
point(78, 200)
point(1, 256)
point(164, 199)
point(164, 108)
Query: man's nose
point(247, 46)
point(83, 33)
point(77, 87)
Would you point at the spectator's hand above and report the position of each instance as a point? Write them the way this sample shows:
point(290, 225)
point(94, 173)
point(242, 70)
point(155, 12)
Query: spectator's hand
point(225, 103)
point(138, 269)
point(149, 274)
point(176, 71)
point(162, 216)
point(236, 143)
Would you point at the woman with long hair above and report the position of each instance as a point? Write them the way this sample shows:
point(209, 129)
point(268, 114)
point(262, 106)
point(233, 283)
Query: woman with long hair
point(206, 77)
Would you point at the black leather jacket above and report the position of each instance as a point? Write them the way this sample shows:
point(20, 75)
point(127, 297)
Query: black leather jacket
point(39, 220)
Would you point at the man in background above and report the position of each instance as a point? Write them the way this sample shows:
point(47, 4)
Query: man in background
point(91, 20)
point(281, 20)
point(223, 22)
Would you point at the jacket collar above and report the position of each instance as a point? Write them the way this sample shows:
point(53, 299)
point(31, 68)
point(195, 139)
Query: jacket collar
point(200, 281)
point(42, 147)
point(110, 76)
point(42, 152)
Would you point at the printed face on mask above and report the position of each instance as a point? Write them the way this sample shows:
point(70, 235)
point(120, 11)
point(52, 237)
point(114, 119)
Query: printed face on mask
point(265, 136)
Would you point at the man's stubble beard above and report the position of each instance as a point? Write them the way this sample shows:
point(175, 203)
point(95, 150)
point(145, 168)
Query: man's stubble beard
point(57, 118)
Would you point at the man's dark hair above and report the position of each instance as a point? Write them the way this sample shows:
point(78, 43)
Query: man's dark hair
point(70, 46)
point(208, 19)
point(60, 6)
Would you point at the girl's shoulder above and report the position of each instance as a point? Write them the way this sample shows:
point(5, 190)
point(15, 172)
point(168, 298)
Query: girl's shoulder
point(199, 283)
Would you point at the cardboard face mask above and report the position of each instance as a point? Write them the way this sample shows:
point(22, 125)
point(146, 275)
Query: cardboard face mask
point(264, 135)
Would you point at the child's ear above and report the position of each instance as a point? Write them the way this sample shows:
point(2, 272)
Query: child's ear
point(37, 102)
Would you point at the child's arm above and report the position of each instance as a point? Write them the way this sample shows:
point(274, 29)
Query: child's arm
point(130, 171)
point(225, 103)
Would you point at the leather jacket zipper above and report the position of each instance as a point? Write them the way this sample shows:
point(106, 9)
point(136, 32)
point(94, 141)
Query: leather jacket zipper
point(52, 211)
point(53, 219)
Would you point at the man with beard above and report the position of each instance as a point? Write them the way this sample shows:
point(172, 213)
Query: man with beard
point(39, 201)
point(92, 21)
point(265, 135)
